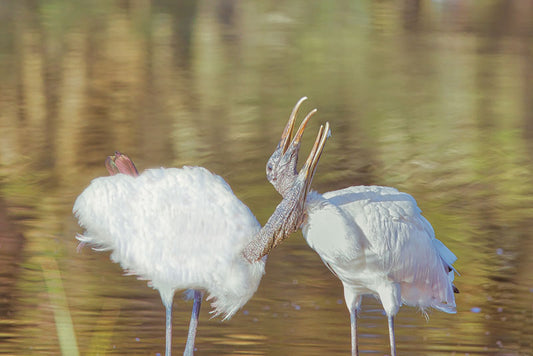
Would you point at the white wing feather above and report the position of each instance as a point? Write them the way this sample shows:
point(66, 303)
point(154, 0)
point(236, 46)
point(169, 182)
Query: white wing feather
point(397, 243)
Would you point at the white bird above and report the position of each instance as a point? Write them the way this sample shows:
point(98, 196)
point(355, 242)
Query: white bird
point(374, 239)
point(184, 229)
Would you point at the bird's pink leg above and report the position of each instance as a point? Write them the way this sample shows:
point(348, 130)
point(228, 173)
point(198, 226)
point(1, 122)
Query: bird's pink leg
point(391, 335)
point(189, 347)
point(353, 323)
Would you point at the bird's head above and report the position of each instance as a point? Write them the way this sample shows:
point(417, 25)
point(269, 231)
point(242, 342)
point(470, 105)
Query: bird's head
point(281, 166)
point(291, 212)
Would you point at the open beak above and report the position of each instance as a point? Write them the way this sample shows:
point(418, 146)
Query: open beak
point(286, 136)
point(308, 170)
point(290, 213)
point(120, 163)
point(298, 136)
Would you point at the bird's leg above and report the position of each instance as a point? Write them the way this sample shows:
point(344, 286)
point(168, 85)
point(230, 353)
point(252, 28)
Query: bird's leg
point(168, 331)
point(391, 299)
point(189, 347)
point(167, 297)
point(353, 323)
point(353, 303)
point(391, 335)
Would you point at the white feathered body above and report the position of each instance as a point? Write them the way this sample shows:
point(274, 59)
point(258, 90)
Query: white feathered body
point(377, 242)
point(179, 228)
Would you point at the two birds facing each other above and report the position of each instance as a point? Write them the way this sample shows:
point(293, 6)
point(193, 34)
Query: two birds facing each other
point(184, 229)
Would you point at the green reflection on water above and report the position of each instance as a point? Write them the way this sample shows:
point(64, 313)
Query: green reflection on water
point(434, 98)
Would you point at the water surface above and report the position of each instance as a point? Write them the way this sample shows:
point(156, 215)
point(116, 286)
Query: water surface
point(432, 97)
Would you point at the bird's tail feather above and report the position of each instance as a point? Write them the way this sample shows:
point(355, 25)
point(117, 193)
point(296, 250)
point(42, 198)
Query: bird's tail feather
point(447, 256)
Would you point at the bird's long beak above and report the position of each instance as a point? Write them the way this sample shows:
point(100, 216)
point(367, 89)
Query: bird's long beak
point(290, 213)
point(308, 170)
point(287, 131)
point(120, 163)
point(298, 136)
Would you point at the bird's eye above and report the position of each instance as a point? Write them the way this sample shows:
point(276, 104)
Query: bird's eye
point(269, 168)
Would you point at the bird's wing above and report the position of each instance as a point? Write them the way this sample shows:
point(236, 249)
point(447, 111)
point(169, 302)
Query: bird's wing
point(384, 214)
point(400, 241)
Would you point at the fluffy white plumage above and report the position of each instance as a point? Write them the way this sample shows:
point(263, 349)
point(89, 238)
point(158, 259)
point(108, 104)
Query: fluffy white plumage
point(377, 242)
point(180, 228)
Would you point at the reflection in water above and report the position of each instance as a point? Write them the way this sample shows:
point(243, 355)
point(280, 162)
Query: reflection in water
point(432, 97)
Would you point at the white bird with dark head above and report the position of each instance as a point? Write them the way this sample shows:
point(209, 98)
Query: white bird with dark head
point(184, 229)
point(374, 239)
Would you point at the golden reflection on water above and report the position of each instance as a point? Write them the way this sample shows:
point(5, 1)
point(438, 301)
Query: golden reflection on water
point(432, 97)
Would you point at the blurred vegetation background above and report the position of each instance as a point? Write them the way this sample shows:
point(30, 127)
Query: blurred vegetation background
point(432, 97)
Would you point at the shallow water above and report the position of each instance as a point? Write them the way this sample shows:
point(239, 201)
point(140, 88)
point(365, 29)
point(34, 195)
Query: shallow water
point(432, 97)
